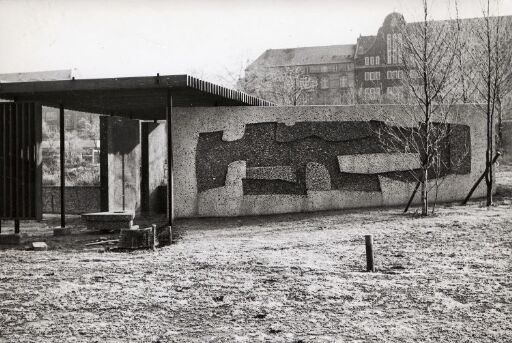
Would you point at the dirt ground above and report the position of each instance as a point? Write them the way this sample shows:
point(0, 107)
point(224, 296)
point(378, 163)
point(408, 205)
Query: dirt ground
point(287, 278)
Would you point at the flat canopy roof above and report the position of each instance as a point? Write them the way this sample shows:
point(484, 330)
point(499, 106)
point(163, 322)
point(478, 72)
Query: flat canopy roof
point(142, 98)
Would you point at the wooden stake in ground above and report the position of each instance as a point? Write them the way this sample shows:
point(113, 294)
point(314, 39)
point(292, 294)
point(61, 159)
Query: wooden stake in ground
point(498, 154)
point(369, 253)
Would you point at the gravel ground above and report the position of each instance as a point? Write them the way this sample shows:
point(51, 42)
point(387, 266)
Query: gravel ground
point(289, 278)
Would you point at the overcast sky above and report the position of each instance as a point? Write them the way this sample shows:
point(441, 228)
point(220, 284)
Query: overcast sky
point(109, 38)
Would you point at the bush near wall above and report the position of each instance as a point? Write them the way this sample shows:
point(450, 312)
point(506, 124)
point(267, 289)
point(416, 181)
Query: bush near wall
point(82, 199)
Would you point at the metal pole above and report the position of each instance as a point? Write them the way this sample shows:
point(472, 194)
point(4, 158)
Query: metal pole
point(170, 183)
point(62, 169)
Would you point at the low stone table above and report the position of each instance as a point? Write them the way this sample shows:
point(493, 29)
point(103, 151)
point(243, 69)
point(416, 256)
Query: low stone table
point(108, 221)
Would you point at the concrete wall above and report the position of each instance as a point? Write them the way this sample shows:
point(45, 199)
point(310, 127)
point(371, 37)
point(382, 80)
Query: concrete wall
point(260, 149)
point(120, 164)
point(153, 164)
point(81, 199)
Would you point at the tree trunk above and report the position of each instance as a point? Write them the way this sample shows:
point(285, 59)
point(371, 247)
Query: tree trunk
point(488, 157)
point(424, 192)
point(489, 181)
point(499, 143)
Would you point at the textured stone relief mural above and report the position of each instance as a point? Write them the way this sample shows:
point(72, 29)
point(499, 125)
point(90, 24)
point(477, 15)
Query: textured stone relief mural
point(309, 157)
point(378, 163)
point(284, 173)
point(317, 177)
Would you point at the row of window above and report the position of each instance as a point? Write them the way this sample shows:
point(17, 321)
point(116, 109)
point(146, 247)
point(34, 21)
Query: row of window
point(371, 60)
point(309, 82)
point(343, 82)
point(372, 75)
point(394, 74)
point(394, 56)
point(375, 75)
point(395, 91)
point(329, 68)
point(394, 46)
point(372, 93)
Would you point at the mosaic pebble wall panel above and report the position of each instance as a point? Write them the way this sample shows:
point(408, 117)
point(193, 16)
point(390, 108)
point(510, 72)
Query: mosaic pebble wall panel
point(288, 158)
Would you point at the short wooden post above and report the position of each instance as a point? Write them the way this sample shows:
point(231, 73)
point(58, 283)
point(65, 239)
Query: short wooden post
point(412, 197)
point(369, 253)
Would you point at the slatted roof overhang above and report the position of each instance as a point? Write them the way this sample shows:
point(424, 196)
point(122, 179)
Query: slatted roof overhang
point(142, 98)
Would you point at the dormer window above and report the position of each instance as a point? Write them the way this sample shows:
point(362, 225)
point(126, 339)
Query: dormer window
point(366, 61)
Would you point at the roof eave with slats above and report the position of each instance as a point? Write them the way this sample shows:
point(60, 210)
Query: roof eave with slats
point(136, 97)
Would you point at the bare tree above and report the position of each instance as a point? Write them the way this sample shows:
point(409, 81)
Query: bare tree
point(288, 85)
point(490, 69)
point(234, 77)
point(427, 54)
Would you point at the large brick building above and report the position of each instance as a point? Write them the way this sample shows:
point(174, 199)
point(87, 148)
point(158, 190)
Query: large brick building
point(368, 71)
point(340, 74)
point(325, 73)
point(377, 62)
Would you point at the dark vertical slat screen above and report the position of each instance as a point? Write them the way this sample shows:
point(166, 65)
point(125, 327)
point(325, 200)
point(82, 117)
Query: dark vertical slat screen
point(31, 157)
point(21, 115)
point(16, 160)
point(2, 161)
point(20, 160)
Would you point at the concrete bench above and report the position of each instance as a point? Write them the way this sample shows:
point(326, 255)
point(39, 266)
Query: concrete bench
point(108, 221)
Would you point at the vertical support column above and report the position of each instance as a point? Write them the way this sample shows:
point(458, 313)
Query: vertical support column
point(62, 169)
point(144, 168)
point(120, 164)
point(104, 165)
point(170, 183)
point(16, 164)
point(38, 158)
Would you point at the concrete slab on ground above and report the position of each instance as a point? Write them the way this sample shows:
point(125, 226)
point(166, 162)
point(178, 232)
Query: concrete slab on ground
point(108, 221)
point(39, 246)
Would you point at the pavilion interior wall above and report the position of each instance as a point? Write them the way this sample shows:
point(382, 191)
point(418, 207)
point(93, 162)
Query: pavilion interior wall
point(120, 164)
